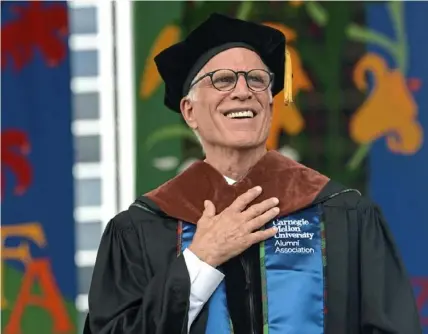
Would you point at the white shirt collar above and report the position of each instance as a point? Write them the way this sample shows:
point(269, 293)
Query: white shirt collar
point(229, 180)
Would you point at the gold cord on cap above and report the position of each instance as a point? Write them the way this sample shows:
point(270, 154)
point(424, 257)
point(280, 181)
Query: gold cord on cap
point(288, 78)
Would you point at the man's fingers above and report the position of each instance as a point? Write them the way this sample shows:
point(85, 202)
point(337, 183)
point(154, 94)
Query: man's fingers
point(209, 209)
point(262, 235)
point(260, 208)
point(261, 220)
point(246, 198)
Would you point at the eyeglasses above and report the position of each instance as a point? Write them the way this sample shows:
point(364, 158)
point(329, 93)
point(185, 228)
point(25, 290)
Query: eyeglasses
point(225, 80)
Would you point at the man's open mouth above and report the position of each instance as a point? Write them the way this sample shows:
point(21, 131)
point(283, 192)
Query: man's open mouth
point(240, 114)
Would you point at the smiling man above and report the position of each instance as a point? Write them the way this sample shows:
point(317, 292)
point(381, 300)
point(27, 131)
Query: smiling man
point(246, 241)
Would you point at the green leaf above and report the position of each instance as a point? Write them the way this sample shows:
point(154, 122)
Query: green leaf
point(358, 156)
point(396, 9)
point(396, 12)
point(317, 13)
point(244, 10)
point(170, 132)
point(364, 35)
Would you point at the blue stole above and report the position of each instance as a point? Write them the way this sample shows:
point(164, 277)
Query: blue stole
point(293, 282)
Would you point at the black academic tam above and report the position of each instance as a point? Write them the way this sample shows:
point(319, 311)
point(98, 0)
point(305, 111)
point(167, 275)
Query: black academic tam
point(179, 63)
point(141, 286)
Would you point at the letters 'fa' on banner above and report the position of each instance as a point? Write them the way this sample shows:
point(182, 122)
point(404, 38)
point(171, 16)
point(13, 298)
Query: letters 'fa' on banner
point(38, 287)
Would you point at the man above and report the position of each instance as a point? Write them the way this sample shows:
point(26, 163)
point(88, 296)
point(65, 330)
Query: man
point(246, 241)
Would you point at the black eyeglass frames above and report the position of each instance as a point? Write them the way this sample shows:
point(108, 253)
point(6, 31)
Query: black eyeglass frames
point(225, 79)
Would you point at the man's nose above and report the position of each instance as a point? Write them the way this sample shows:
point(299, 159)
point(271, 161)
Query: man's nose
point(241, 91)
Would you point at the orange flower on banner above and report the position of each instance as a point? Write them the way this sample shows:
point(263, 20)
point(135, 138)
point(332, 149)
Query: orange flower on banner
point(389, 110)
point(288, 118)
point(150, 80)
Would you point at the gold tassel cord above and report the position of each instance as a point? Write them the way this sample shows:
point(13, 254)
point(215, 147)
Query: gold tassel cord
point(288, 80)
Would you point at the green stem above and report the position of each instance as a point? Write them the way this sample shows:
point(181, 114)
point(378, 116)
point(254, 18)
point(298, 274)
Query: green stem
point(397, 16)
point(361, 34)
point(359, 156)
point(317, 13)
point(244, 10)
point(169, 132)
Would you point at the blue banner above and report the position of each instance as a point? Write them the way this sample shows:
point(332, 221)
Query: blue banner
point(398, 109)
point(38, 269)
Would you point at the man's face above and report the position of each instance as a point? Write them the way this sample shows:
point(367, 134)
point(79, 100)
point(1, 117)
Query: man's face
point(208, 107)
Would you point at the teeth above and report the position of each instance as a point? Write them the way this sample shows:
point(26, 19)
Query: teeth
point(240, 114)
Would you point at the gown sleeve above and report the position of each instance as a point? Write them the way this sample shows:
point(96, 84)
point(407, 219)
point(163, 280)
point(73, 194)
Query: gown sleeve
point(387, 302)
point(124, 298)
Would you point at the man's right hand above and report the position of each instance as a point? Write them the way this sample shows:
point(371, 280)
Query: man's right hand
point(221, 237)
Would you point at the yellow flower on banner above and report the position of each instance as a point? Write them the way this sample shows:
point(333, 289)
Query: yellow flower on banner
point(150, 79)
point(288, 118)
point(389, 110)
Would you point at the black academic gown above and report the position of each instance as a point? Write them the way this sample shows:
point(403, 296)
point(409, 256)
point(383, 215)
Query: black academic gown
point(141, 286)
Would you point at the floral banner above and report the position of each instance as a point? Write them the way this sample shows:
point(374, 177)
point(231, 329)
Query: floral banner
point(394, 122)
point(38, 283)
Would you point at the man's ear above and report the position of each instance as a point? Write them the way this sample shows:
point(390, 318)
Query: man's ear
point(186, 107)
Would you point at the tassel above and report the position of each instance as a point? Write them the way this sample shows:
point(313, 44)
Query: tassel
point(288, 80)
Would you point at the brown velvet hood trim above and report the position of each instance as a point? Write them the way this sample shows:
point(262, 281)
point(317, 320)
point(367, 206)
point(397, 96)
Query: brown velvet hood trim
point(295, 185)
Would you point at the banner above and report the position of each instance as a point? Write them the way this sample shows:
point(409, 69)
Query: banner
point(154, 30)
point(397, 107)
point(37, 234)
